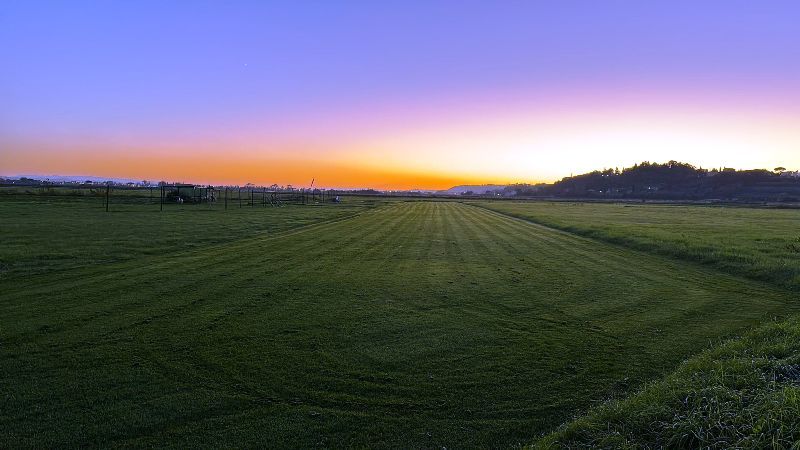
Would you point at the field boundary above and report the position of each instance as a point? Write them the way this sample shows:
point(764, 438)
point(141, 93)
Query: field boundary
point(633, 249)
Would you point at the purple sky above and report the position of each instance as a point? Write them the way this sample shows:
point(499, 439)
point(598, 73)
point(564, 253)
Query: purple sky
point(366, 82)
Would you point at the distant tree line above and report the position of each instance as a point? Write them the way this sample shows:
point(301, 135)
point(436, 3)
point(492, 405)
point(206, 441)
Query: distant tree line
point(672, 180)
point(677, 180)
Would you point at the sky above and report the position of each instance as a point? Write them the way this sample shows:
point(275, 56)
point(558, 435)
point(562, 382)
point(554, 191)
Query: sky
point(395, 94)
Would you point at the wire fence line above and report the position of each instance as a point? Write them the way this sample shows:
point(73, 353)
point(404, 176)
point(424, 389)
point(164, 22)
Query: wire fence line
point(223, 197)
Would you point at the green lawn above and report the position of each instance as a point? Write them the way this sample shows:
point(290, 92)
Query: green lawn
point(411, 324)
point(758, 243)
point(744, 393)
point(42, 234)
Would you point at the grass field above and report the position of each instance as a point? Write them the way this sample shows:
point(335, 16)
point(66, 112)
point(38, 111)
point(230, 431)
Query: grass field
point(407, 324)
point(743, 393)
point(46, 234)
point(758, 243)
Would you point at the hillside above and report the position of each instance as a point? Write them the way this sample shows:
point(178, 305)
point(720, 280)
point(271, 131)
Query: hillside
point(669, 181)
point(476, 189)
point(680, 181)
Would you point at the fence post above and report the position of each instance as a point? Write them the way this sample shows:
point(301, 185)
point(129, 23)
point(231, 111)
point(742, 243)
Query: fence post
point(226, 198)
point(108, 190)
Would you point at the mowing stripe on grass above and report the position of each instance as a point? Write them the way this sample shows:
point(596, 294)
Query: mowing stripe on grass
point(417, 324)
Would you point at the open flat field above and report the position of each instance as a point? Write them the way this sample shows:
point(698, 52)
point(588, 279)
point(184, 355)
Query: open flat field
point(758, 243)
point(400, 324)
point(42, 234)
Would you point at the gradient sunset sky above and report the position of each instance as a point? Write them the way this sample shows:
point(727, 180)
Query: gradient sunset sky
point(394, 95)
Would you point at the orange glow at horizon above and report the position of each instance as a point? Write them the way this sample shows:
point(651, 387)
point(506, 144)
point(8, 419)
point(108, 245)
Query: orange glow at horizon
point(217, 170)
point(437, 151)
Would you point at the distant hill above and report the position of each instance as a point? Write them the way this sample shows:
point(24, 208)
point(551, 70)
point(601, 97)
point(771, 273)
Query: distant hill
point(70, 178)
point(680, 181)
point(473, 188)
point(672, 180)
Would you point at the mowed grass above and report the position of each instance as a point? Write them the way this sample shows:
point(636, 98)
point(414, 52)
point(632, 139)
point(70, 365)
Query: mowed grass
point(758, 243)
point(414, 324)
point(743, 393)
point(42, 234)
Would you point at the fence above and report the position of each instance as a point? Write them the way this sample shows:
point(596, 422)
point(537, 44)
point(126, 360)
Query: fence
point(225, 197)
